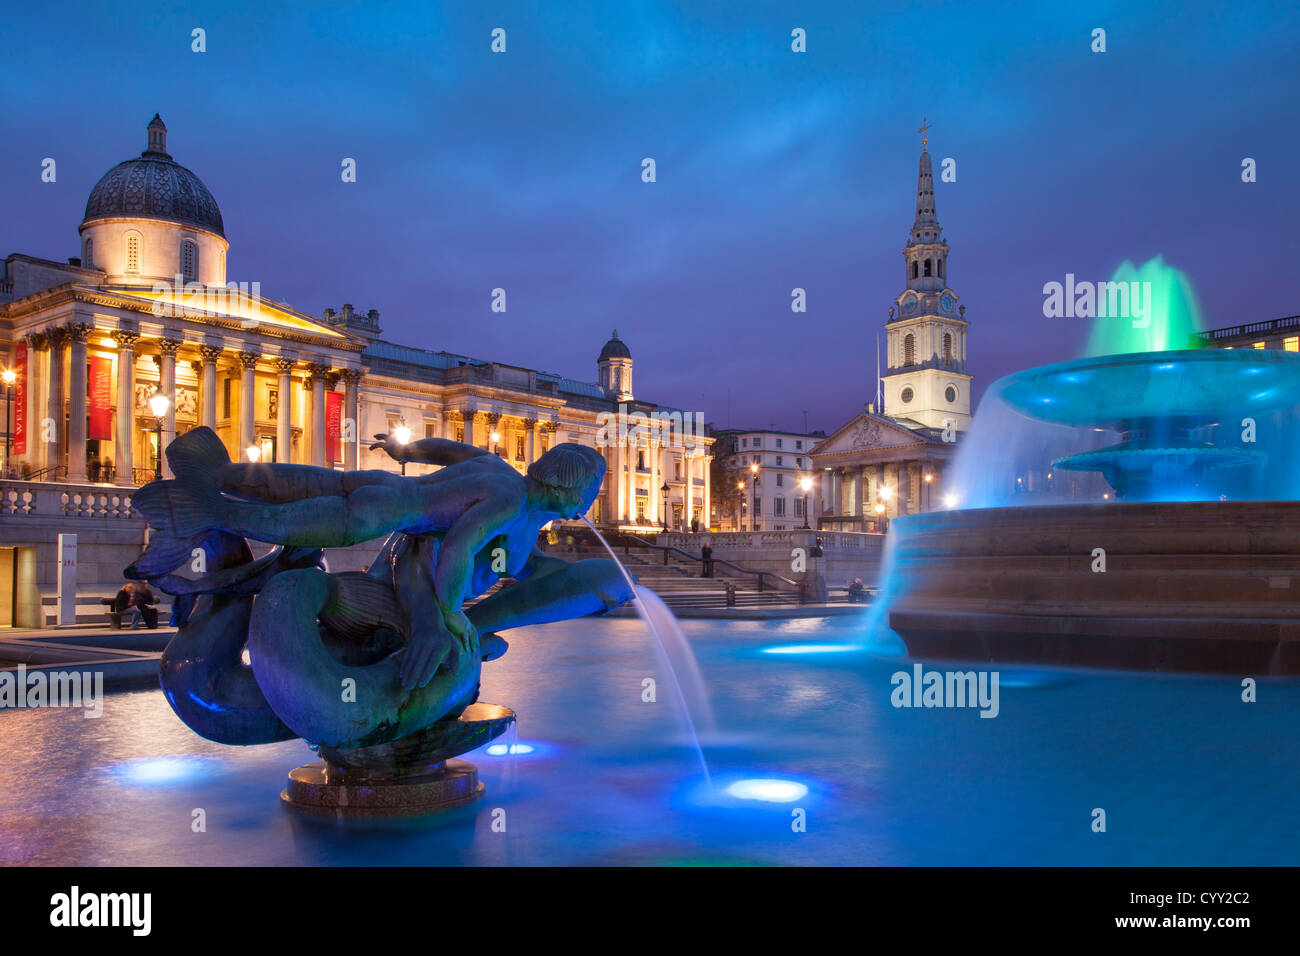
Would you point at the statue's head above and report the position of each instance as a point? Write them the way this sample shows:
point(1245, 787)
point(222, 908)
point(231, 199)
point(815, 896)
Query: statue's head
point(570, 475)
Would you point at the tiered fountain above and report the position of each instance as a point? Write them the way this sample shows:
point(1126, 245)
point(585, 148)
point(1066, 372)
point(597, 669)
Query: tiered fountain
point(1181, 565)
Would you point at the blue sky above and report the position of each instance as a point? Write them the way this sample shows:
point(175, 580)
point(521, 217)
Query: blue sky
point(775, 170)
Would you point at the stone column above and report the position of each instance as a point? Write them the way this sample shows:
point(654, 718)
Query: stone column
point(707, 474)
point(655, 497)
point(318, 373)
point(493, 425)
point(468, 415)
point(450, 416)
point(530, 443)
point(167, 349)
point(688, 495)
point(904, 486)
point(54, 410)
point(351, 410)
point(78, 334)
point(247, 400)
point(208, 385)
point(284, 411)
point(855, 491)
point(124, 426)
point(38, 401)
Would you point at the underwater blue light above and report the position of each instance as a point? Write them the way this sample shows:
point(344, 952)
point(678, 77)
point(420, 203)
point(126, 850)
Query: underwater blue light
point(162, 770)
point(811, 648)
point(768, 790)
point(518, 750)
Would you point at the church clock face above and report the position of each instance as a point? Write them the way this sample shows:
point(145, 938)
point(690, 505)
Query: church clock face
point(946, 302)
point(909, 304)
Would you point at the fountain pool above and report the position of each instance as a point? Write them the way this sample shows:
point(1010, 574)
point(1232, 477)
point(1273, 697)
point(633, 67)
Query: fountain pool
point(1187, 773)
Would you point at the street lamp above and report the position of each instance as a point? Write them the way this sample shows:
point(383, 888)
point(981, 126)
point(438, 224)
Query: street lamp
point(753, 513)
point(806, 484)
point(158, 404)
point(9, 376)
point(740, 511)
point(254, 452)
point(402, 432)
point(663, 518)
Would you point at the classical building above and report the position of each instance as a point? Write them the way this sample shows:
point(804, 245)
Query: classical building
point(771, 466)
point(1282, 335)
point(145, 317)
point(890, 460)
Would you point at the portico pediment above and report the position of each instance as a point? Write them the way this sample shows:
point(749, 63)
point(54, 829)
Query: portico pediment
point(866, 432)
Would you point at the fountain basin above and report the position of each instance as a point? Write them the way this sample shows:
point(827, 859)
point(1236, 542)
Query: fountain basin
point(1187, 586)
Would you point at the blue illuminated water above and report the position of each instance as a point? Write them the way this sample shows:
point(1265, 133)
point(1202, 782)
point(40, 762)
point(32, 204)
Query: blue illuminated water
point(1187, 773)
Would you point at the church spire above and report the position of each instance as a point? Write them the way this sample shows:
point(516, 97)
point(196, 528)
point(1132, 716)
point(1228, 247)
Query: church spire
point(926, 228)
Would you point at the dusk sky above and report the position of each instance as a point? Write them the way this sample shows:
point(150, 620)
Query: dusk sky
point(775, 170)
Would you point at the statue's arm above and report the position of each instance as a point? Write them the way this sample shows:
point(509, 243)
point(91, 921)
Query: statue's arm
point(467, 536)
point(539, 563)
point(428, 451)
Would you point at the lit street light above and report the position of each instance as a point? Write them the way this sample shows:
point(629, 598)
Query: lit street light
point(158, 404)
point(402, 432)
point(806, 484)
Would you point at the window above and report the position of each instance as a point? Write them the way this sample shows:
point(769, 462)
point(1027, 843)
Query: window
point(950, 393)
point(133, 253)
point(460, 433)
point(677, 469)
point(780, 461)
point(758, 459)
point(909, 349)
point(798, 462)
point(778, 443)
point(798, 445)
point(189, 260)
point(640, 461)
point(778, 507)
point(758, 507)
point(927, 268)
point(430, 430)
point(916, 269)
point(780, 481)
point(1257, 345)
point(1291, 343)
point(88, 253)
point(798, 507)
point(225, 398)
point(906, 394)
point(519, 448)
point(940, 261)
point(947, 348)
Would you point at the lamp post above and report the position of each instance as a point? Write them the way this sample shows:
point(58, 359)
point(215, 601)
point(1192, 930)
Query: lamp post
point(158, 404)
point(806, 484)
point(9, 376)
point(663, 518)
point(740, 510)
point(402, 432)
point(753, 513)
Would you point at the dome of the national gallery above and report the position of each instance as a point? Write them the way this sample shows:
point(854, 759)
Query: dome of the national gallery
point(154, 186)
point(615, 348)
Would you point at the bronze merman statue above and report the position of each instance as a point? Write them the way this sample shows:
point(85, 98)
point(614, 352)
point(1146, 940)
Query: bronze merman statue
point(355, 660)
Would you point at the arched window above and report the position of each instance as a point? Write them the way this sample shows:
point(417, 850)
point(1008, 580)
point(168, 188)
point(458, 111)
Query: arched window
point(189, 260)
point(133, 253)
point(940, 261)
point(947, 348)
point(916, 269)
point(909, 349)
point(88, 253)
point(927, 267)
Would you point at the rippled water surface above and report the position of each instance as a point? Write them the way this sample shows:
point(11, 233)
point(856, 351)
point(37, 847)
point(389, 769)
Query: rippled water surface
point(1186, 772)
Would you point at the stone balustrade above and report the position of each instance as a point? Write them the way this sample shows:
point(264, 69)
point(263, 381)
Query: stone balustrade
point(48, 499)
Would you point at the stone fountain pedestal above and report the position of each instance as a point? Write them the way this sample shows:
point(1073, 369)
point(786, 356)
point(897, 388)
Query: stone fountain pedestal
point(411, 775)
point(1187, 586)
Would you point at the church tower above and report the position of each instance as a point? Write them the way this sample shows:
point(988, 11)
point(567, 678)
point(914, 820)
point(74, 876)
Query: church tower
point(926, 378)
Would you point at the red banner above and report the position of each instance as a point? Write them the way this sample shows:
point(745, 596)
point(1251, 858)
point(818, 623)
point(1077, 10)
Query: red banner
point(333, 426)
point(101, 399)
point(20, 400)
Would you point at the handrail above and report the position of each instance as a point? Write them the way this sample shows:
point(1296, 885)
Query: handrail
point(665, 548)
point(59, 471)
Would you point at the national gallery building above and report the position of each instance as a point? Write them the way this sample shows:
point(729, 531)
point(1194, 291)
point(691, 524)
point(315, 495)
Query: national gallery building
point(141, 337)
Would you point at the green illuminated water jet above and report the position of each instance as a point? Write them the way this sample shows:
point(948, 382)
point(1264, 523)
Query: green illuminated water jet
point(1173, 311)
